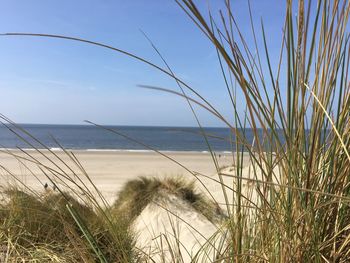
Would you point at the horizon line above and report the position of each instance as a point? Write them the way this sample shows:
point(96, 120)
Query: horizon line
point(120, 125)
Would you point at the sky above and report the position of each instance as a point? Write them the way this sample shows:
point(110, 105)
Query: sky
point(55, 81)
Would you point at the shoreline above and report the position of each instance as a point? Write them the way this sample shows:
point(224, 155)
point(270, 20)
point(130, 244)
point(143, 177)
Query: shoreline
point(56, 149)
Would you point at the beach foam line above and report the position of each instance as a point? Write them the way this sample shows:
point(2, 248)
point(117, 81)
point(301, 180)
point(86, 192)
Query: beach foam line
point(113, 150)
point(57, 149)
point(151, 151)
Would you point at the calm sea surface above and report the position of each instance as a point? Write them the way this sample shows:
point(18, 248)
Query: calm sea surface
point(84, 137)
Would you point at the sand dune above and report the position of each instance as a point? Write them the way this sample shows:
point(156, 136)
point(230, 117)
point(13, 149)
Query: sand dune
point(166, 224)
point(171, 224)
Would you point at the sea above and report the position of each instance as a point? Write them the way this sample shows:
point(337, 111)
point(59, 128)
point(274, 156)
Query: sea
point(117, 138)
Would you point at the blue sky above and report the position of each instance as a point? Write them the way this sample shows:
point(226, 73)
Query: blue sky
point(56, 81)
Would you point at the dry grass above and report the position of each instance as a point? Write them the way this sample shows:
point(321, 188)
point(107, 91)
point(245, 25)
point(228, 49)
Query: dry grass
point(137, 194)
point(41, 229)
point(298, 110)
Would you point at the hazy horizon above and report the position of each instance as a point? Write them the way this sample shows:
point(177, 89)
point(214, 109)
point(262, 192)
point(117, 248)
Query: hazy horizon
point(120, 125)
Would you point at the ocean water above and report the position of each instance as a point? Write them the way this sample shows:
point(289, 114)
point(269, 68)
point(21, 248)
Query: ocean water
point(89, 137)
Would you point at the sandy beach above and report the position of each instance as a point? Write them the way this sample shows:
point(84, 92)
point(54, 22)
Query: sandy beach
point(110, 170)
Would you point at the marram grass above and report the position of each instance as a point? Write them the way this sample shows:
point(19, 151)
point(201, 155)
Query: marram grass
point(299, 111)
point(137, 194)
point(40, 229)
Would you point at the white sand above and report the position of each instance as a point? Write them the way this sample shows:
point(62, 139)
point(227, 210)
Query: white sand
point(171, 224)
point(110, 170)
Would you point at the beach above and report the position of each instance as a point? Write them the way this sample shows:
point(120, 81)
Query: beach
point(221, 133)
point(110, 170)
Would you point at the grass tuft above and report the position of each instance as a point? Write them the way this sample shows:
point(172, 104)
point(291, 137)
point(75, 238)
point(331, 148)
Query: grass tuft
point(41, 228)
point(137, 194)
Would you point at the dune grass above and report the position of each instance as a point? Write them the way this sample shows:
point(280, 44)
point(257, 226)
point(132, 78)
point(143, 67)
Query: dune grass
point(41, 229)
point(299, 111)
point(137, 194)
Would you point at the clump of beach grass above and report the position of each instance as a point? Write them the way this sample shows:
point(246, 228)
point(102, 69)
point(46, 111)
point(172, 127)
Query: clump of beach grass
point(40, 228)
point(298, 110)
point(137, 194)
